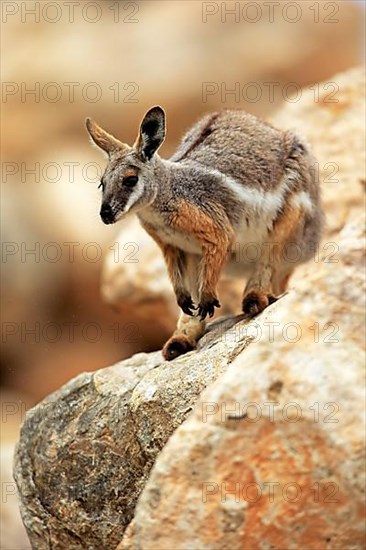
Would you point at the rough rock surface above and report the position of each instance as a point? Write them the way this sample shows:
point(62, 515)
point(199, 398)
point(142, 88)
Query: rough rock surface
point(85, 452)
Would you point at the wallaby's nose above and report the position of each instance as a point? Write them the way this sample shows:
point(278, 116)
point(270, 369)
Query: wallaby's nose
point(106, 214)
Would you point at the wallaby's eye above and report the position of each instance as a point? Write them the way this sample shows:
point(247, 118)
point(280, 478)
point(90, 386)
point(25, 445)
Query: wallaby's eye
point(130, 181)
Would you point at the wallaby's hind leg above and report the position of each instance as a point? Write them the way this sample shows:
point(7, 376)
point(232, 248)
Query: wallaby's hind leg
point(271, 273)
point(264, 286)
point(189, 329)
point(258, 292)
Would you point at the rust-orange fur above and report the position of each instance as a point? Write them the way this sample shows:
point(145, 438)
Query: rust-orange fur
point(215, 240)
point(171, 255)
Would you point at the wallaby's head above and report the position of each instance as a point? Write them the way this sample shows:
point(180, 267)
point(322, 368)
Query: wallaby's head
point(128, 182)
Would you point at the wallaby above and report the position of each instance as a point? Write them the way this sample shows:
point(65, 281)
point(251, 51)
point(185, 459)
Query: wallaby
point(234, 181)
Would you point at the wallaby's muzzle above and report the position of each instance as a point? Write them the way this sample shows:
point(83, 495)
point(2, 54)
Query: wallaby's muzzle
point(106, 214)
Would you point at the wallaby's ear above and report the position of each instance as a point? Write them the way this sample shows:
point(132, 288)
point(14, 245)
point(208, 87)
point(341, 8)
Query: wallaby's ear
point(105, 141)
point(152, 133)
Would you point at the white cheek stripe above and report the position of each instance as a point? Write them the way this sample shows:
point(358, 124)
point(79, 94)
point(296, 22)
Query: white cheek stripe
point(134, 197)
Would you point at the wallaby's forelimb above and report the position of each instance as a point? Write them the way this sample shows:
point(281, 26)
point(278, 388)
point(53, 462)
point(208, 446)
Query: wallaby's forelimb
point(215, 236)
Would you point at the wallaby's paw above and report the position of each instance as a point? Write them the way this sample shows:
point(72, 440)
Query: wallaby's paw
point(186, 304)
point(177, 345)
point(207, 307)
point(256, 301)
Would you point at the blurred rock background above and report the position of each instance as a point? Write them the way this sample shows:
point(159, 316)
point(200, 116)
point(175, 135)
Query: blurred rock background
point(112, 61)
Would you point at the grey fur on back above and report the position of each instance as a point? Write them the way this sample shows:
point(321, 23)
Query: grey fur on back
point(239, 145)
point(256, 155)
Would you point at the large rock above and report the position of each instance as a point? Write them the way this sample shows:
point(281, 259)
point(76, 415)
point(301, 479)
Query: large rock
point(85, 452)
point(273, 454)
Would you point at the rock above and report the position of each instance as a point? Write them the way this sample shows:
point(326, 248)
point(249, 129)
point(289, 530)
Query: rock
point(273, 453)
point(85, 452)
point(322, 370)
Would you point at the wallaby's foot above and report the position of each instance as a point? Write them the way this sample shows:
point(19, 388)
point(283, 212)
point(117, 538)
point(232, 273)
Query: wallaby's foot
point(177, 345)
point(256, 300)
point(207, 306)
